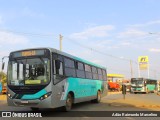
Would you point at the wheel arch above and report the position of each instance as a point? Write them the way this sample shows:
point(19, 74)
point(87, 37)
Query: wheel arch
point(72, 94)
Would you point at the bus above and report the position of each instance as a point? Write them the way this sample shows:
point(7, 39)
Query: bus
point(49, 78)
point(143, 85)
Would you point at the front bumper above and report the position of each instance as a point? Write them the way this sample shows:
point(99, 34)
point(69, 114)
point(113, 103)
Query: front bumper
point(46, 103)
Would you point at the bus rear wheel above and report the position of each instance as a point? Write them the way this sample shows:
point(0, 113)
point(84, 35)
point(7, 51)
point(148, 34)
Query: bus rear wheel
point(69, 103)
point(98, 99)
point(147, 91)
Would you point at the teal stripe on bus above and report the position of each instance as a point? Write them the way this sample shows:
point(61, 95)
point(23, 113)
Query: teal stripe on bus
point(151, 87)
point(34, 96)
point(83, 87)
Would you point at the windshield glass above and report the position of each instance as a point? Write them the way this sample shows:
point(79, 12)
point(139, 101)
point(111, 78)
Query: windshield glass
point(139, 82)
point(28, 71)
point(135, 81)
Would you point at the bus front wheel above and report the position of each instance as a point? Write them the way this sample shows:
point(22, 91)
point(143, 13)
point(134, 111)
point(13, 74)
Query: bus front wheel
point(69, 103)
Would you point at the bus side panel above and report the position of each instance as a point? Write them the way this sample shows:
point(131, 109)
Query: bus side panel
point(151, 87)
point(10, 101)
point(58, 91)
point(84, 89)
point(104, 88)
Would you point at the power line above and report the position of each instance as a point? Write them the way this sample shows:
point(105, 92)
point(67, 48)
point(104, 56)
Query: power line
point(105, 54)
point(75, 42)
point(109, 55)
point(28, 33)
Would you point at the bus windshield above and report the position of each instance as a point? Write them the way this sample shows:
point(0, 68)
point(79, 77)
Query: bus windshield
point(28, 71)
point(137, 81)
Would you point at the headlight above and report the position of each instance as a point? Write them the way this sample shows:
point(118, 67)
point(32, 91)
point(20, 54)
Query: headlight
point(9, 95)
point(45, 96)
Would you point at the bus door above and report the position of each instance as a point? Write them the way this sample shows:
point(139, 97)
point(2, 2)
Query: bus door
point(59, 83)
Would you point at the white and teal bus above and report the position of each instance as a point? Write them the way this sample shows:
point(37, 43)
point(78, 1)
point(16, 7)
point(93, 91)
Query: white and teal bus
point(143, 85)
point(49, 78)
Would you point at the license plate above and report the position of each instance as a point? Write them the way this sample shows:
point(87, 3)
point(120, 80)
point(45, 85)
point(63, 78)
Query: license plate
point(24, 102)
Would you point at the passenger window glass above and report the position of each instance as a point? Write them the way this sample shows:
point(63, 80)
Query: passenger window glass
point(20, 71)
point(87, 68)
point(94, 70)
point(99, 71)
point(80, 66)
point(59, 67)
point(58, 70)
point(14, 71)
point(69, 63)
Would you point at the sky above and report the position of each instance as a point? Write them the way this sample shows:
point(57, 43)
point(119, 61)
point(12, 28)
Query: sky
point(106, 32)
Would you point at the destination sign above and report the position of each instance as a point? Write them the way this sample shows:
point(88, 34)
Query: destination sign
point(29, 53)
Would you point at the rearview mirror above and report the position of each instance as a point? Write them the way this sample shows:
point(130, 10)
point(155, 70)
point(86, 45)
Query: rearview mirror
point(3, 64)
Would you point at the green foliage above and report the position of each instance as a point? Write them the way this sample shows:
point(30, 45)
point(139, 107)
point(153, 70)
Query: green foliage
point(3, 77)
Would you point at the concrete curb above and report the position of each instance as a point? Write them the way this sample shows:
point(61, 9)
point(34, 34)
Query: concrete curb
point(112, 93)
point(141, 106)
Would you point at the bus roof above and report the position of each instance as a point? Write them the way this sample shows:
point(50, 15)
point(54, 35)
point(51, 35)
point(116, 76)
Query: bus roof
point(65, 54)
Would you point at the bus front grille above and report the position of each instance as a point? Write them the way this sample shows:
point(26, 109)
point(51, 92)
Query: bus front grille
point(26, 89)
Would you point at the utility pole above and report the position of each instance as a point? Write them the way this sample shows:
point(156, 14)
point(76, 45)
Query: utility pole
point(131, 68)
point(60, 42)
point(155, 74)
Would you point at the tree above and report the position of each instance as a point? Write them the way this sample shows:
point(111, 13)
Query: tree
point(3, 77)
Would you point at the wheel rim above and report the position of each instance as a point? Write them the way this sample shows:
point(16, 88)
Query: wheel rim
point(99, 96)
point(69, 103)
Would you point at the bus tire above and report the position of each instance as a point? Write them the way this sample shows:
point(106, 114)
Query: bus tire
point(68, 103)
point(147, 91)
point(34, 109)
point(98, 99)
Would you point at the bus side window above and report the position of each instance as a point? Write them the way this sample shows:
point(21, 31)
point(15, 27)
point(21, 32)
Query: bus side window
point(88, 71)
point(69, 67)
point(100, 74)
point(57, 64)
point(58, 67)
point(80, 70)
point(104, 74)
point(94, 71)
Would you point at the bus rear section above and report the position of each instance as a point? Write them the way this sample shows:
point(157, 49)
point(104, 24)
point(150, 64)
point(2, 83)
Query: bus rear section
point(151, 85)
